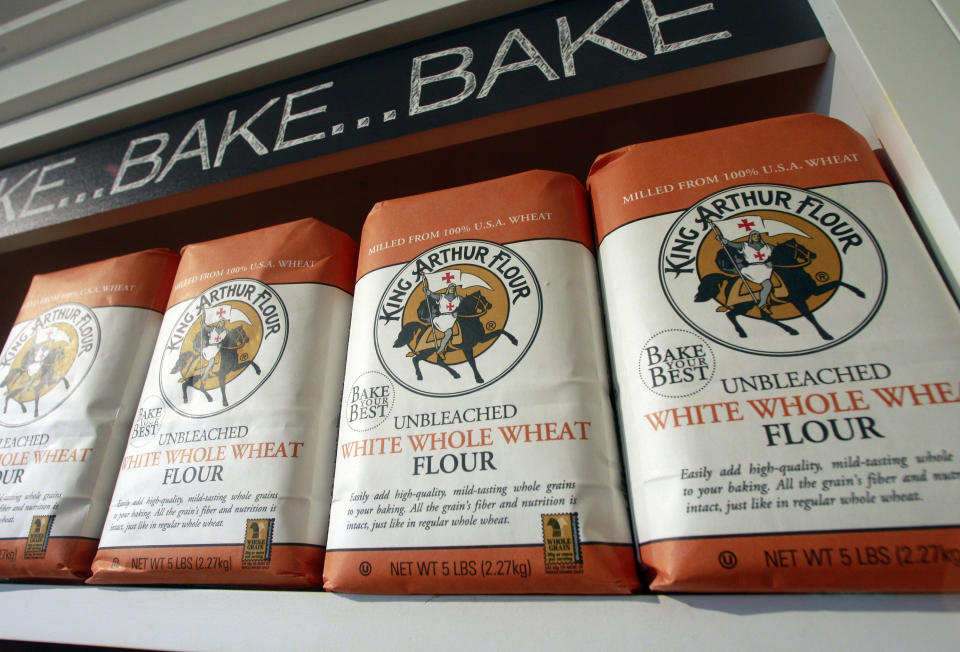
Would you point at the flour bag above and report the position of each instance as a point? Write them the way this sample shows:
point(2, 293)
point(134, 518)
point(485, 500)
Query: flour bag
point(71, 371)
point(226, 477)
point(786, 357)
point(477, 450)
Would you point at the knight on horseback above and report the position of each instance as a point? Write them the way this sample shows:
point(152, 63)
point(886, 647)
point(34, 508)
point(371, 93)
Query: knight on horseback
point(756, 265)
point(445, 316)
point(214, 351)
point(754, 260)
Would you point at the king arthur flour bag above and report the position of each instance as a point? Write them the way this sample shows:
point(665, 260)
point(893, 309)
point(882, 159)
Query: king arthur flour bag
point(786, 357)
point(70, 374)
point(477, 451)
point(226, 477)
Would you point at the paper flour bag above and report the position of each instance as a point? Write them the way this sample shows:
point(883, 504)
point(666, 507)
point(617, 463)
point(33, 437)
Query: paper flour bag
point(787, 363)
point(70, 374)
point(226, 477)
point(477, 451)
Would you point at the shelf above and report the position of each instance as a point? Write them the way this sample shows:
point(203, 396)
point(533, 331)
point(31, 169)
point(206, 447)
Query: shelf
point(870, 84)
point(195, 619)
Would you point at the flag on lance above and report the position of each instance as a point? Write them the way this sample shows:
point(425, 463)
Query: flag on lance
point(743, 225)
point(439, 281)
point(51, 334)
point(224, 312)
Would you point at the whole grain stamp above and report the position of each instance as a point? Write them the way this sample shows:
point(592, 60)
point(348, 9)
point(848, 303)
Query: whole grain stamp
point(786, 357)
point(226, 477)
point(70, 374)
point(477, 450)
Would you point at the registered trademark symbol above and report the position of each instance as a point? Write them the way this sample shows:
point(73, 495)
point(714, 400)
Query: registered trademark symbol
point(727, 559)
point(365, 568)
point(823, 277)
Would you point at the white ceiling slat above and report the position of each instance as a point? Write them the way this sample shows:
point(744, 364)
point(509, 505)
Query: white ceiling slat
point(950, 10)
point(353, 31)
point(28, 26)
point(161, 36)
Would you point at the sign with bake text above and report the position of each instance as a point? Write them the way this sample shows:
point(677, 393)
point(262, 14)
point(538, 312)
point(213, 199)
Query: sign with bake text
point(549, 52)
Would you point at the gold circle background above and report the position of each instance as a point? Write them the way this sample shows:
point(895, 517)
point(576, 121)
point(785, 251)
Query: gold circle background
point(827, 260)
point(70, 355)
point(498, 312)
point(251, 347)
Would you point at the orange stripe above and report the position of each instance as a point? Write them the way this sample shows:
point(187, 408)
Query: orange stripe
point(902, 561)
point(146, 278)
point(606, 569)
point(66, 559)
point(397, 224)
point(307, 239)
point(290, 566)
point(661, 164)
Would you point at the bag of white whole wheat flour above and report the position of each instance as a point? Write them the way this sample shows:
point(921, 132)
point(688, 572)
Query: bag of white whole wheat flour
point(70, 375)
point(226, 477)
point(786, 357)
point(477, 450)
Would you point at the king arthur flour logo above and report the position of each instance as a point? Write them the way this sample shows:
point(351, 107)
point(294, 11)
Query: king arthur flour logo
point(457, 318)
point(44, 361)
point(772, 270)
point(224, 346)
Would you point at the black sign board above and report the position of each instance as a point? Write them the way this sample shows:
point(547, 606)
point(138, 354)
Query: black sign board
point(549, 52)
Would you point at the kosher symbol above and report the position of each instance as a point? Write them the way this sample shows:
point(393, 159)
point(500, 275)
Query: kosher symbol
point(727, 559)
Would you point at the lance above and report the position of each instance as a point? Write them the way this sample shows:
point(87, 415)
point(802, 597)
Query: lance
point(203, 326)
point(433, 328)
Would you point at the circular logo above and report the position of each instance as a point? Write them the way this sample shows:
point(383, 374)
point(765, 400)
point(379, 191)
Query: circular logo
point(457, 318)
point(676, 363)
point(727, 559)
point(368, 401)
point(44, 361)
point(147, 421)
point(772, 270)
point(223, 347)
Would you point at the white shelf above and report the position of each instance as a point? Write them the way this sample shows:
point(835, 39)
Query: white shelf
point(908, 112)
point(204, 619)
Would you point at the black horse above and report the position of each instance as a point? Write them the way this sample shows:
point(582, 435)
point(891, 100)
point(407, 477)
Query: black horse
point(789, 259)
point(39, 383)
point(469, 314)
point(226, 361)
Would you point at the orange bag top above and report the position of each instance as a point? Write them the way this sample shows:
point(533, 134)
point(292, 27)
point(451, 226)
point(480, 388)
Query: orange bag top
point(140, 280)
point(398, 230)
point(313, 252)
point(677, 172)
